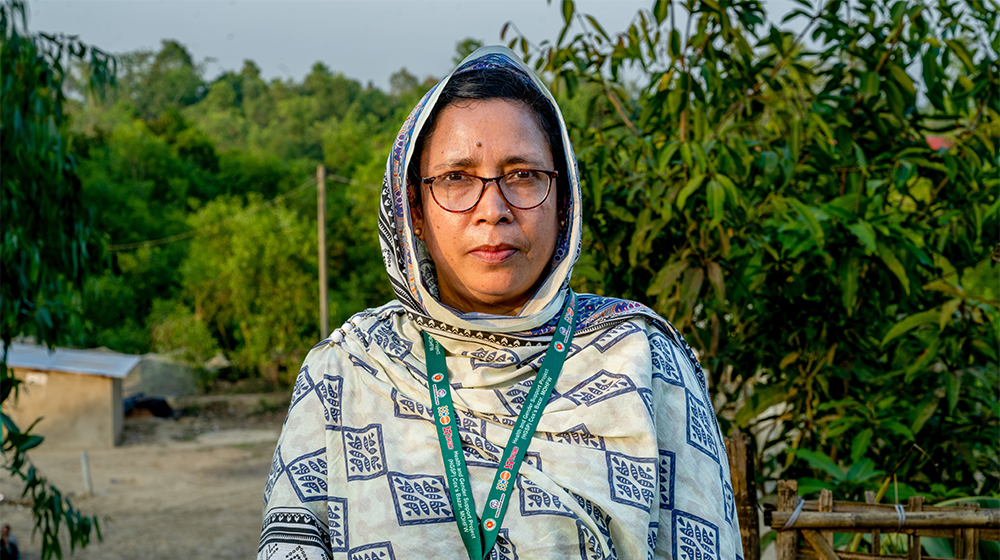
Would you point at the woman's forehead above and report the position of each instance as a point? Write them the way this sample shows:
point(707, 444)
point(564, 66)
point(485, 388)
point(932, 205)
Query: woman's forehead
point(492, 131)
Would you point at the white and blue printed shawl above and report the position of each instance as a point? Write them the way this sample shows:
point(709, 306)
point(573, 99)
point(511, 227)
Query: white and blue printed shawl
point(627, 460)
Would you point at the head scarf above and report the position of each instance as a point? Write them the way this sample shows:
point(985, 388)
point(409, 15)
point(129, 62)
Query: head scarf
point(411, 270)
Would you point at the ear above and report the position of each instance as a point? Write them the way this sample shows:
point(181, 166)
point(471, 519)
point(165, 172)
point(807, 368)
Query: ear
point(416, 208)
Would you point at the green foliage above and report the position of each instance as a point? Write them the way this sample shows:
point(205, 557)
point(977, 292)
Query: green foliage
point(254, 280)
point(158, 169)
point(782, 207)
point(49, 245)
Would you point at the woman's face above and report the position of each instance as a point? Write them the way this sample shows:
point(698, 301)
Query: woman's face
point(491, 258)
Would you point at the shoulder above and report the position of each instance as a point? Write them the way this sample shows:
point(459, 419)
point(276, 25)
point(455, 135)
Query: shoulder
point(670, 353)
point(598, 313)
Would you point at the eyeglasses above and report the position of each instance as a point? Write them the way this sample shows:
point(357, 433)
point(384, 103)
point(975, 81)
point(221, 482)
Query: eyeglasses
point(459, 192)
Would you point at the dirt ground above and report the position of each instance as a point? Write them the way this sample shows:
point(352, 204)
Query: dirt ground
point(184, 487)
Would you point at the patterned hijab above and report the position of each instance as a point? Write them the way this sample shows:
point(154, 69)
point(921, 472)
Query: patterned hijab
point(408, 262)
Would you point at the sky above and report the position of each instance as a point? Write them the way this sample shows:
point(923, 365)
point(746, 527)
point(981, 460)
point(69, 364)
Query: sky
point(365, 40)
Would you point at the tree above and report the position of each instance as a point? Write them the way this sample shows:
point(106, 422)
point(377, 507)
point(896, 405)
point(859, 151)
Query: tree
point(49, 244)
point(172, 80)
point(782, 207)
point(251, 280)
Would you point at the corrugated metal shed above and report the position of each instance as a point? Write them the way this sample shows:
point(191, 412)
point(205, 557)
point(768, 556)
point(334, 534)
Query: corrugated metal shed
point(86, 362)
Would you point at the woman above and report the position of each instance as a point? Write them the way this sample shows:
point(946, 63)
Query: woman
point(490, 408)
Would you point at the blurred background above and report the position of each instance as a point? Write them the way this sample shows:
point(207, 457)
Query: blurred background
point(806, 190)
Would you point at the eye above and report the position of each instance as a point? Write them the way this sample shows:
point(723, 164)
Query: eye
point(523, 174)
point(453, 177)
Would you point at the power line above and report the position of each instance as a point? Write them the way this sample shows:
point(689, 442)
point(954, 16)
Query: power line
point(194, 232)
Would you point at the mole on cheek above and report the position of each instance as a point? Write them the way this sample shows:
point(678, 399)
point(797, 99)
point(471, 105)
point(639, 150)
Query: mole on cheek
point(479, 144)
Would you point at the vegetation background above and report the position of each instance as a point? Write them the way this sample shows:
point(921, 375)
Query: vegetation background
point(816, 212)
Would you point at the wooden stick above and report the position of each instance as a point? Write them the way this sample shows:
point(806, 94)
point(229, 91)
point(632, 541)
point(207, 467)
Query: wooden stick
point(819, 544)
point(743, 475)
point(826, 505)
point(788, 498)
point(810, 554)
point(966, 540)
point(88, 485)
point(984, 519)
point(914, 552)
point(876, 534)
point(937, 533)
point(841, 506)
point(324, 300)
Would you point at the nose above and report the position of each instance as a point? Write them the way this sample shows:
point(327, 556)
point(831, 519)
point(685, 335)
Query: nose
point(493, 207)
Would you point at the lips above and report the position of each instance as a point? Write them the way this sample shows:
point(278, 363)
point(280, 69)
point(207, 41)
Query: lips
point(494, 254)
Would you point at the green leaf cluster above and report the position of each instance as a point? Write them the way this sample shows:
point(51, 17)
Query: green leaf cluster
point(816, 212)
point(49, 243)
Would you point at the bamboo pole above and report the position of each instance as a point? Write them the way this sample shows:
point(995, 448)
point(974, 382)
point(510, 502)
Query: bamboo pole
point(826, 505)
point(844, 506)
point(744, 478)
point(324, 304)
point(983, 519)
point(876, 534)
point(788, 498)
point(967, 540)
point(820, 545)
point(810, 554)
point(916, 503)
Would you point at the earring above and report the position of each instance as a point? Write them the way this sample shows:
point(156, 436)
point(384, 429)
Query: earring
point(418, 232)
point(562, 224)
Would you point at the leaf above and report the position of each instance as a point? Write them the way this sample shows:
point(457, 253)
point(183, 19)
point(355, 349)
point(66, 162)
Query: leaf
point(924, 414)
point(902, 78)
point(809, 485)
point(689, 188)
point(948, 310)
point(821, 461)
point(894, 265)
point(660, 10)
point(962, 53)
point(716, 201)
point(691, 286)
point(666, 277)
point(864, 232)
point(862, 470)
point(715, 277)
point(904, 326)
point(568, 8)
point(849, 271)
point(941, 286)
point(860, 444)
point(937, 548)
point(598, 27)
point(899, 429)
point(732, 193)
point(869, 84)
point(924, 360)
point(788, 359)
point(675, 44)
point(985, 348)
point(810, 219)
point(760, 401)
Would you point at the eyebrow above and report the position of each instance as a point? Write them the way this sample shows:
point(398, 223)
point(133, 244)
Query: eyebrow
point(466, 162)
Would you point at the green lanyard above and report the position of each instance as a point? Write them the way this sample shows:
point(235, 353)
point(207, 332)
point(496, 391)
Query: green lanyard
point(480, 536)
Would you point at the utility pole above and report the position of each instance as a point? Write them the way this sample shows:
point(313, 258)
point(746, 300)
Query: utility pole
point(324, 308)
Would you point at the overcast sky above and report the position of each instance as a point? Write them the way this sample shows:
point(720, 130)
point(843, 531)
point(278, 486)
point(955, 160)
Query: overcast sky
point(365, 40)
